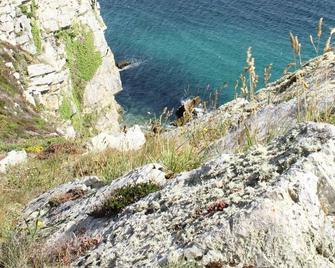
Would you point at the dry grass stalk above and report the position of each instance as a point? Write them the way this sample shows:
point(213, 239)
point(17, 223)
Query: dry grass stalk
point(313, 44)
point(288, 67)
point(249, 91)
point(237, 83)
point(328, 45)
point(296, 46)
point(319, 33)
point(244, 87)
point(267, 74)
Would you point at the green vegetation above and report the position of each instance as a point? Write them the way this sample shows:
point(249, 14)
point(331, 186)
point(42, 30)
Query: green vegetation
point(5, 85)
point(25, 144)
point(82, 56)
point(36, 32)
point(65, 109)
point(83, 60)
point(123, 197)
point(29, 10)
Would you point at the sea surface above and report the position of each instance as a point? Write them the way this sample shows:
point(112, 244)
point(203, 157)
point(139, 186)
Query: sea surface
point(183, 48)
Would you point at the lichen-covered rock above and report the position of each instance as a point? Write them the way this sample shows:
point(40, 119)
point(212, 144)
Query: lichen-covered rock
point(68, 206)
point(11, 159)
point(269, 207)
point(36, 26)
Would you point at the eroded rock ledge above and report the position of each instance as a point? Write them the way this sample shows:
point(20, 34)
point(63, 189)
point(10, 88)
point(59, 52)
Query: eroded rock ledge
point(269, 207)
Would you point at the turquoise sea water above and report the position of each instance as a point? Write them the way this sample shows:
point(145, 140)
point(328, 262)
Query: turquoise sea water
point(189, 47)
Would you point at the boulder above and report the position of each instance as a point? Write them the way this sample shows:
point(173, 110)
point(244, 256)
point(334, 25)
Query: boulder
point(131, 139)
point(13, 158)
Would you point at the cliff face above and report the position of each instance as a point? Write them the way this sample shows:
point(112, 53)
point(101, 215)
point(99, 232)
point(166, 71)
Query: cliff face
point(74, 75)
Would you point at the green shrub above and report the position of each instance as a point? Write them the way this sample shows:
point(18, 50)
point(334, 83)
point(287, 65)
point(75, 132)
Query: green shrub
point(123, 197)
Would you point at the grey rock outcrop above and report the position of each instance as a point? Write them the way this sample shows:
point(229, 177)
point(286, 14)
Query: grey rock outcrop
point(272, 206)
point(48, 77)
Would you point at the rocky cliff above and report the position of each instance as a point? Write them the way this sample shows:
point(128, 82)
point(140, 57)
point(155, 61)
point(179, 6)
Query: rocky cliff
point(72, 75)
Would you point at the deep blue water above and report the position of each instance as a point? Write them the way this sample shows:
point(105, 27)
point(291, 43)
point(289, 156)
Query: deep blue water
point(189, 47)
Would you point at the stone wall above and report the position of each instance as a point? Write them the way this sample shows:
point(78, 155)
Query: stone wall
point(34, 25)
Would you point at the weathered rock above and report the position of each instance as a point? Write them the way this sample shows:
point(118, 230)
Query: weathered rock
point(269, 207)
point(67, 130)
point(131, 140)
point(12, 158)
point(52, 207)
point(48, 76)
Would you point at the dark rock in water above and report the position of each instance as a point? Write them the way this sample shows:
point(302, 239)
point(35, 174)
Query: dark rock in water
point(187, 110)
point(122, 64)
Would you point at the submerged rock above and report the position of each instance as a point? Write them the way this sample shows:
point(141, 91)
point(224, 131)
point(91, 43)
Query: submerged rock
point(269, 207)
point(122, 64)
point(131, 139)
point(13, 158)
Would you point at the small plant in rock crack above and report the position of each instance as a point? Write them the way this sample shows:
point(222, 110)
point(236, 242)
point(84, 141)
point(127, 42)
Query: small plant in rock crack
point(124, 197)
point(218, 205)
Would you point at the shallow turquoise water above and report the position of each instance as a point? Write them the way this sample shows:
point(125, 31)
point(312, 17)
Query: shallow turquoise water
point(191, 47)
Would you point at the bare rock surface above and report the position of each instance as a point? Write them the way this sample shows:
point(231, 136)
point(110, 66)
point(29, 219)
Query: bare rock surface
point(11, 159)
point(132, 139)
point(272, 206)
